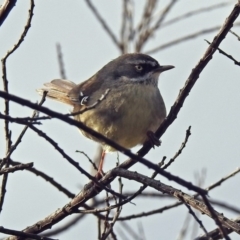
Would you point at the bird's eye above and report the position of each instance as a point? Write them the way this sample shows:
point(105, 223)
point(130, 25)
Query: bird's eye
point(139, 68)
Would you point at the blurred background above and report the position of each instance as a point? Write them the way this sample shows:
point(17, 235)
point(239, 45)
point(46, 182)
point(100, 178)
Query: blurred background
point(211, 109)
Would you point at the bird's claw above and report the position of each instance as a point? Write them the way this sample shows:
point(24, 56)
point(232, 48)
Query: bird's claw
point(153, 139)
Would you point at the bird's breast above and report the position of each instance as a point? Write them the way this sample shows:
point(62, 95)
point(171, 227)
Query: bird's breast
point(126, 114)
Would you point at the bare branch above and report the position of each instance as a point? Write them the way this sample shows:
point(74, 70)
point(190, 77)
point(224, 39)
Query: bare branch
point(48, 179)
point(144, 36)
point(194, 13)
point(89, 159)
point(184, 92)
point(121, 203)
point(226, 206)
point(123, 150)
point(164, 13)
point(236, 35)
point(182, 39)
point(5, 88)
point(5, 9)
point(60, 61)
point(104, 24)
point(188, 133)
point(117, 214)
point(200, 206)
point(89, 192)
point(215, 216)
point(23, 235)
point(127, 31)
point(146, 17)
point(195, 217)
point(170, 206)
point(21, 166)
point(66, 226)
point(215, 234)
point(124, 27)
point(130, 231)
point(22, 121)
point(227, 55)
point(71, 161)
point(19, 139)
point(144, 25)
point(218, 183)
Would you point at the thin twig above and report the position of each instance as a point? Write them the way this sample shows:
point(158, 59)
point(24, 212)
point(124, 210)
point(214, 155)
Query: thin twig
point(145, 35)
point(195, 13)
point(19, 139)
point(60, 61)
point(104, 24)
point(227, 55)
point(142, 31)
point(218, 183)
point(162, 196)
point(99, 228)
point(195, 216)
point(160, 210)
point(216, 234)
point(124, 27)
point(4, 60)
point(105, 222)
point(117, 214)
point(70, 160)
point(6, 110)
point(203, 207)
point(48, 179)
point(164, 14)
point(236, 35)
point(183, 39)
point(130, 232)
point(21, 167)
point(185, 228)
point(89, 159)
point(23, 234)
point(162, 162)
point(188, 133)
point(22, 121)
point(65, 227)
point(225, 205)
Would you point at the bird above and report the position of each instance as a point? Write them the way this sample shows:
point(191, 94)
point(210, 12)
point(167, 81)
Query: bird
point(121, 101)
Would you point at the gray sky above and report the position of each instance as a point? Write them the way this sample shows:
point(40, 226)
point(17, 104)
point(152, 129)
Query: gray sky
point(212, 109)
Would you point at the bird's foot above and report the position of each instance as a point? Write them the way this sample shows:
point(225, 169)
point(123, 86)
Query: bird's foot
point(153, 139)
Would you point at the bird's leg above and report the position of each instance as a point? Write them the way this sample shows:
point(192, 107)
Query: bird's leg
point(153, 139)
point(100, 167)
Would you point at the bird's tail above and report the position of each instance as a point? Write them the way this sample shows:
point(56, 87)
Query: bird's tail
point(58, 90)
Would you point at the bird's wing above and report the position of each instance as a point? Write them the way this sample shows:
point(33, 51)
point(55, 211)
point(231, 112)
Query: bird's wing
point(84, 94)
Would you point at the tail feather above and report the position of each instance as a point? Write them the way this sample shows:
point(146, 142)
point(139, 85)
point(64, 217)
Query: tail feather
point(58, 90)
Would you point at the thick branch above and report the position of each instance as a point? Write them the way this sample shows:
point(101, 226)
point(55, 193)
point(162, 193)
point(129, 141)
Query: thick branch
point(5, 9)
point(198, 205)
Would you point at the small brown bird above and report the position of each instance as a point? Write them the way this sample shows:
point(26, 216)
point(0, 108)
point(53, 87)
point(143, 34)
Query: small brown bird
point(123, 98)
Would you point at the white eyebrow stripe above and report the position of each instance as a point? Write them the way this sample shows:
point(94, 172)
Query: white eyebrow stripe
point(153, 63)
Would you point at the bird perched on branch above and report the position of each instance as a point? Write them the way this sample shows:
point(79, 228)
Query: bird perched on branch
point(121, 101)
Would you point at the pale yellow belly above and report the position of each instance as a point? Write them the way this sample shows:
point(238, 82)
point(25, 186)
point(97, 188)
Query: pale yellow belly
point(127, 115)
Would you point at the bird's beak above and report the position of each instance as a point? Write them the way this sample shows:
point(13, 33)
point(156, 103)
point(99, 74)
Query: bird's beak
point(165, 68)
